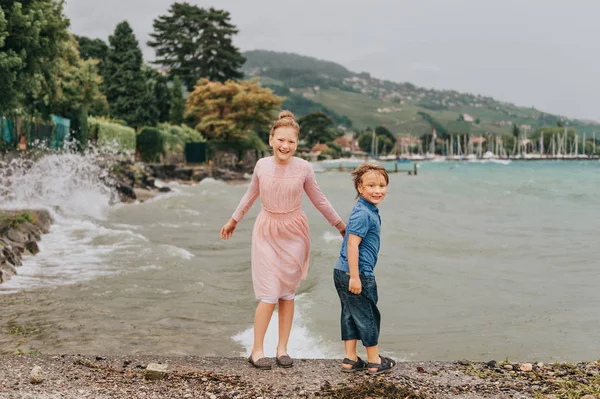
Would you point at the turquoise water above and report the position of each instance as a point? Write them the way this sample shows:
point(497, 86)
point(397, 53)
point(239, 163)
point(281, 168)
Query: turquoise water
point(478, 261)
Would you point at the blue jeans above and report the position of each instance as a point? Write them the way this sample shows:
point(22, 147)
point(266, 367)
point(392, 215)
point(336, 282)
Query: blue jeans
point(360, 316)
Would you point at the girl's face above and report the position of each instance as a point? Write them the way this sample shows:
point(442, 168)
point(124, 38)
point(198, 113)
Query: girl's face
point(373, 187)
point(284, 142)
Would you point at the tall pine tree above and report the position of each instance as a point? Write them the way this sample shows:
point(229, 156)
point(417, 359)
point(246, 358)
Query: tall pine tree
point(127, 89)
point(177, 102)
point(197, 43)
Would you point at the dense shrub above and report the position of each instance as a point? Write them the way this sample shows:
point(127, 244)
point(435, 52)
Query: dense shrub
point(177, 136)
point(150, 144)
point(106, 132)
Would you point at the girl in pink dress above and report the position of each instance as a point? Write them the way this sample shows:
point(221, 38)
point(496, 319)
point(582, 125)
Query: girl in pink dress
point(280, 239)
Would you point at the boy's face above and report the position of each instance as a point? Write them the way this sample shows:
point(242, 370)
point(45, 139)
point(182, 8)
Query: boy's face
point(373, 187)
point(284, 142)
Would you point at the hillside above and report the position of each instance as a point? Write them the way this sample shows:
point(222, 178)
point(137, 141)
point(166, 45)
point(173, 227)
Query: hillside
point(359, 100)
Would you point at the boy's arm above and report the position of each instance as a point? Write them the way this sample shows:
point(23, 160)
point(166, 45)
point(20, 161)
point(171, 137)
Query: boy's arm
point(355, 285)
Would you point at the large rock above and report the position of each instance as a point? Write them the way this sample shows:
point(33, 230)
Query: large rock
point(19, 233)
point(183, 173)
point(227, 175)
point(126, 191)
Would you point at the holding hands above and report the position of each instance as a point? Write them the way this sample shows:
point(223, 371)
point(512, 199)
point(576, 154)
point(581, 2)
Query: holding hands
point(341, 226)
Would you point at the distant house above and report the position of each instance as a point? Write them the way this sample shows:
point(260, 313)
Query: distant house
point(477, 140)
point(319, 148)
point(344, 142)
point(468, 118)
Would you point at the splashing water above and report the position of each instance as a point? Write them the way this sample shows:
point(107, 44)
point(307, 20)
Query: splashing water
point(74, 183)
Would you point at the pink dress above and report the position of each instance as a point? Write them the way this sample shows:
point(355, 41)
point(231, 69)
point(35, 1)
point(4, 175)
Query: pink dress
point(280, 239)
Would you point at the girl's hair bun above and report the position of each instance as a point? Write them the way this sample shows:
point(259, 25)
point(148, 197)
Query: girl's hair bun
point(286, 114)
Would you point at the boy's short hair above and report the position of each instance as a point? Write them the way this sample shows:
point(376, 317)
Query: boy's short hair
point(359, 172)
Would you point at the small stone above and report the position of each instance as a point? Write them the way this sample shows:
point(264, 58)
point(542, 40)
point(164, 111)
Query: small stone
point(155, 371)
point(526, 367)
point(100, 358)
point(540, 364)
point(36, 376)
point(303, 393)
point(588, 397)
point(508, 366)
point(491, 363)
point(213, 396)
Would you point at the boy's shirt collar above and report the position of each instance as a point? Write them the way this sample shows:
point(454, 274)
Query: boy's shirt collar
point(368, 204)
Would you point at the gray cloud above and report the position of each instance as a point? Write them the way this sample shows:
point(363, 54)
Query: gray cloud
point(541, 53)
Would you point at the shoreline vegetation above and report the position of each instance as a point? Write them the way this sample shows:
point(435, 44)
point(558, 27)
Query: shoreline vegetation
point(130, 376)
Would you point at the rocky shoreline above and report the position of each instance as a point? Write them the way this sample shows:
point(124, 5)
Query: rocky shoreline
point(20, 231)
point(75, 376)
point(138, 181)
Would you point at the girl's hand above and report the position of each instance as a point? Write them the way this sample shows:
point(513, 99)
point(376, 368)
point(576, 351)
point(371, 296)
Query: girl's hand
point(341, 226)
point(355, 285)
point(227, 230)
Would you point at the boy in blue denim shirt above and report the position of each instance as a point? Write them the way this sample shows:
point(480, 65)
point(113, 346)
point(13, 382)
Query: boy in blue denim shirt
point(353, 274)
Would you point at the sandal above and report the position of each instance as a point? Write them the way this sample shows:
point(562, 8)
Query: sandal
point(358, 365)
point(385, 366)
point(262, 364)
point(284, 361)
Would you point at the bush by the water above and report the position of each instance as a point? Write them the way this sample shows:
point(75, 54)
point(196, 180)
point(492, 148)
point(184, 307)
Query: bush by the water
point(150, 144)
point(177, 136)
point(105, 132)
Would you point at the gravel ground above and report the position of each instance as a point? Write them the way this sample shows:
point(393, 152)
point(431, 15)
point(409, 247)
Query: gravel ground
point(100, 377)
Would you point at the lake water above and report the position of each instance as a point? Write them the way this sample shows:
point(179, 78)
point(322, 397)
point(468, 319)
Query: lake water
point(478, 260)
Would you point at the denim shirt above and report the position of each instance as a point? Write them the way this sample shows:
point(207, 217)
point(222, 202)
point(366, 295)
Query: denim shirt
point(364, 222)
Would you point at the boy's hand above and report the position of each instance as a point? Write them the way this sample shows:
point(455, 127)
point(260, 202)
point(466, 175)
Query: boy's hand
point(341, 226)
point(227, 230)
point(355, 285)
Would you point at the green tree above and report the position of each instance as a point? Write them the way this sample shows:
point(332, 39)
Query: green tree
point(516, 131)
point(30, 35)
point(197, 43)
point(157, 93)
point(316, 127)
point(126, 88)
point(73, 89)
point(177, 102)
point(92, 48)
point(231, 112)
point(163, 97)
point(385, 144)
point(384, 131)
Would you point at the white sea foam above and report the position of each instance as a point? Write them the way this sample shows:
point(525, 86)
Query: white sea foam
point(303, 343)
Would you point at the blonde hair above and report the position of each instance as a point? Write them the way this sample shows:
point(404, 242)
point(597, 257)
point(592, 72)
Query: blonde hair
point(364, 168)
point(285, 119)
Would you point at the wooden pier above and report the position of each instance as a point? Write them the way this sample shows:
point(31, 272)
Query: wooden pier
point(410, 172)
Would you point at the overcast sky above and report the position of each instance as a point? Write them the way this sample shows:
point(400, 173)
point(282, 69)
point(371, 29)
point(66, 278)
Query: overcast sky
point(542, 53)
